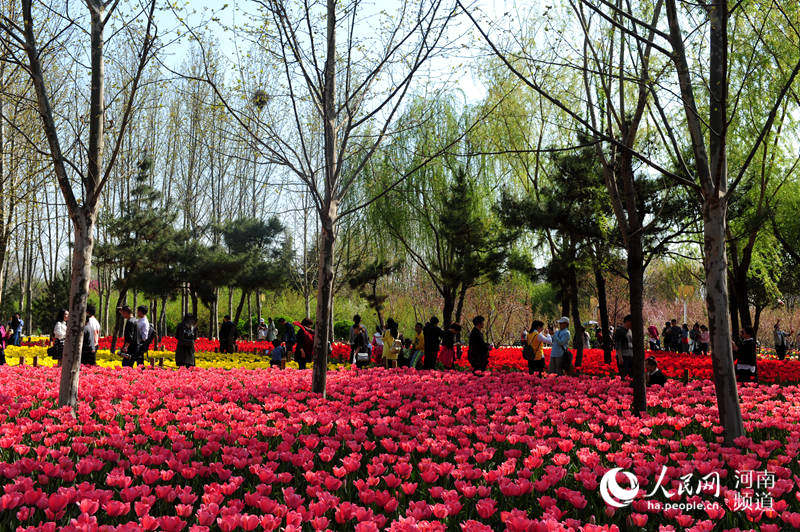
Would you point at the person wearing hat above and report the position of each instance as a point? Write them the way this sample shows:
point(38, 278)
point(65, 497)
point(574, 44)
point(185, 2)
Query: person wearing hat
point(560, 357)
point(654, 375)
point(186, 334)
point(129, 351)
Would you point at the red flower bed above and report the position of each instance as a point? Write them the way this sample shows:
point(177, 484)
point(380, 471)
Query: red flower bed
point(205, 450)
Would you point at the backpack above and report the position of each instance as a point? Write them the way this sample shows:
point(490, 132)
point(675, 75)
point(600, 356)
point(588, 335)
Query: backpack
point(151, 335)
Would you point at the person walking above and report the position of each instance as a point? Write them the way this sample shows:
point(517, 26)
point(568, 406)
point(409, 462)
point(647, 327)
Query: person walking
point(59, 335)
point(144, 335)
point(666, 335)
point(478, 354)
point(536, 340)
point(93, 323)
point(89, 343)
point(694, 339)
point(746, 365)
point(130, 355)
point(433, 337)
point(391, 344)
point(355, 330)
point(705, 339)
point(675, 336)
point(4, 335)
point(560, 356)
point(419, 345)
point(780, 340)
point(15, 328)
point(186, 334)
point(447, 356)
point(305, 343)
point(652, 333)
point(623, 343)
point(227, 335)
point(272, 331)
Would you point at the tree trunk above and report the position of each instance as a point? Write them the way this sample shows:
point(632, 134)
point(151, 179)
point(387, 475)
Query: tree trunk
point(742, 299)
point(239, 308)
point(716, 269)
point(79, 293)
point(249, 318)
point(602, 303)
point(462, 294)
point(733, 307)
point(324, 330)
point(378, 305)
point(448, 305)
point(635, 268)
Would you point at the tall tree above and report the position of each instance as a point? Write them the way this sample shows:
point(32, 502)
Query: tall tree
point(83, 204)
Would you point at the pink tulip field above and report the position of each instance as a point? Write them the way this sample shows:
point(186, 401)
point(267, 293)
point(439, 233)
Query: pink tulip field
point(202, 450)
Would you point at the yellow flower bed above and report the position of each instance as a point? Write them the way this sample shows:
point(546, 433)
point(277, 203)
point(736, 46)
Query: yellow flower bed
point(203, 360)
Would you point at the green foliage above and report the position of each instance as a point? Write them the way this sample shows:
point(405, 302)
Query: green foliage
point(341, 330)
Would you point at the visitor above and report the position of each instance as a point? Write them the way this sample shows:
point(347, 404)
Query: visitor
point(186, 334)
point(305, 343)
point(419, 345)
point(278, 354)
point(4, 334)
point(355, 330)
point(261, 330)
point(524, 336)
point(130, 355)
point(780, 338)
point(390, 344)
point(89, 343)
point(623, 343)
point(655, 377)
point(449, 340)
point(59, 335)
point(560, 356)
point(652, 333)
point(377, 342)
point(286, 334)
point(694, 339)
point(705, 339)
point(746, 370)
point(143, 329)
point(684, 338)
point(433, 337)
point(16, 326)
point(388, 338)
point(272, 331)
point(666, 335)
point(478, 354)
point(407, 354)
point(537, 338)
point(360, 351)
point(227, 335)
point(586, 340)
point(677, 334)
point(95, 325)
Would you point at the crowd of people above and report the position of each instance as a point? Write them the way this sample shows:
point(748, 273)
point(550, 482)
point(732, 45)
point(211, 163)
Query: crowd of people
point(428, 347)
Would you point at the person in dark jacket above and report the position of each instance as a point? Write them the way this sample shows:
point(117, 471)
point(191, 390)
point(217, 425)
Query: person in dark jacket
point(746, 370)
point(433, 337)
point(676, 335)
point(186, 334)
point(227, 335)
point(449, 340)
point(654, 375)
point(478, 353)
point(130, 344)
point(305, 343)
point(286, 334)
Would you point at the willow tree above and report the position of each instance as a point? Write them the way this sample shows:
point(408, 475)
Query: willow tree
point(82, 171)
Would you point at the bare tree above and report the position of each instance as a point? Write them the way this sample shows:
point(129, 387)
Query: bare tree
point(92, 168)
